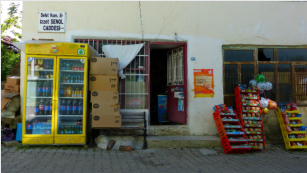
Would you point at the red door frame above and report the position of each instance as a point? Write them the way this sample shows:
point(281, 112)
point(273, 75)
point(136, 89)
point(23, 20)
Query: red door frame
point(185, 74)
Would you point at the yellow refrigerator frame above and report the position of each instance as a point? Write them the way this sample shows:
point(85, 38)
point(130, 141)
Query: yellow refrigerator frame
point(56, 51)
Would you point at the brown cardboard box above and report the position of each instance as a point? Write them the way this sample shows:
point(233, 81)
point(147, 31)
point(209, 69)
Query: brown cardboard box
point(101, 121)
point(13, 80)
point(104, 66)
point(11, 87)
point(105, 108)
point(103, 83)
point(104, 97)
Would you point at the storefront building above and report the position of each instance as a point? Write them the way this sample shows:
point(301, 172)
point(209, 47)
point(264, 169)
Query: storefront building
point(237, 40)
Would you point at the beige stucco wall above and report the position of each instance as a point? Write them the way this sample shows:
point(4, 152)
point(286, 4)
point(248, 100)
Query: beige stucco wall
point(205, 26)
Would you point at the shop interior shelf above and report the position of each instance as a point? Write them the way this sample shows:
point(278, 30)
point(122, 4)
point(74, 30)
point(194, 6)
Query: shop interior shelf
point(296, 125)
point(249, 91)
point(232, 126)
point(78, 71)
point(251, 118)
point(250, 104)
point(235, 133)
point(43, 69)
point(71, 97)
point(251, 111)
point(69, 116)
point(40, 116)
point(37, 79)
point(227, 114)
point(299, 147)
point(238, 148)
point(237, 140)
point(257, 148)
point(250, 98)
point(252, 125)
point(297, 132)
point(298, 139)
point(72, 83)
point(39, 97)
point(295, 118)
point(255, 140)
point(252, 133)
point(230, 120)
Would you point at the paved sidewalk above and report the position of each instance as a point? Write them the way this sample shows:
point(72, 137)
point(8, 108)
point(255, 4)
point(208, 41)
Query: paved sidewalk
point(52, 159)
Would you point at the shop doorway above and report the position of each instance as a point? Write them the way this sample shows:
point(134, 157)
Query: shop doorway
point(168, 96)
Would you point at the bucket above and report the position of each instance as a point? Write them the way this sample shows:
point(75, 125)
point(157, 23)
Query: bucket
point(303, 128)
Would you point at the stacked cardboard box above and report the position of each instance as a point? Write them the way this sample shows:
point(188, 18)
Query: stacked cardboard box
point(103, 84)
point(12, 84)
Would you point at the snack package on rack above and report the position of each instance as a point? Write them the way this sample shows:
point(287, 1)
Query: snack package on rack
point(293, 107)
point(291, 136)
point(286, 119)
point(288, 129)
point(288, 107)
point(300, 136)
point(293, 143)
point(296, 129)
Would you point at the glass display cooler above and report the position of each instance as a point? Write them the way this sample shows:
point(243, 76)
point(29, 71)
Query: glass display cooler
point(55, 93)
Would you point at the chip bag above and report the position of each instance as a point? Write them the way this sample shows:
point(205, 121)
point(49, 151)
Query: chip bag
point(288, 128)
point(293, 106)
point(286, 119)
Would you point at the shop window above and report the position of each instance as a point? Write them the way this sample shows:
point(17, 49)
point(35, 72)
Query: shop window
point(175, 67)
point(288, 75)
point(292, 54)
point(247, 73)
point(238, 56)
point(284, 83)
point(300, 84)
point(265, 54)
point(231, 78)
point(134, 88)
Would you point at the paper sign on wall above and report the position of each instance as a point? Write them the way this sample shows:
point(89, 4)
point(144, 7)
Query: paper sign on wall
point(51, 21)
point(203, 83)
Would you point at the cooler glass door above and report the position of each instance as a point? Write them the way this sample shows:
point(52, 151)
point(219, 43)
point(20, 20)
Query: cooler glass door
point(39, 96)
point(71, 84)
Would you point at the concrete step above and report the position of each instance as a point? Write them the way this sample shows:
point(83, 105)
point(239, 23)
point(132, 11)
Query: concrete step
point(184, 141)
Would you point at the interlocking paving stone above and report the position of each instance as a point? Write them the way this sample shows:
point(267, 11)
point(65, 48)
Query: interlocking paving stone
point(152, 160)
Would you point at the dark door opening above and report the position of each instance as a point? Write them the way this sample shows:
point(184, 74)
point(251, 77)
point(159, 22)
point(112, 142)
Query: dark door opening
point(158, 82)
point(168, 89)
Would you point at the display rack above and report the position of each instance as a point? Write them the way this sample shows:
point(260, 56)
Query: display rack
point(251, 120)
point(285, 134)
point(230, 141)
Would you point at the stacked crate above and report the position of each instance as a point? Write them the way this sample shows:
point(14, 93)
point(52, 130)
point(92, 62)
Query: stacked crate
point(103, 84)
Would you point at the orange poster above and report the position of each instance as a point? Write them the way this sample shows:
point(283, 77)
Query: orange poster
point(203, 83)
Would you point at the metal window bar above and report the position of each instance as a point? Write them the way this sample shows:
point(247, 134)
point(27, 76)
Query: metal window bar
point(284, 83)
point(174, 66)
point(300, 84)
point(180, 66)
point(134, 90)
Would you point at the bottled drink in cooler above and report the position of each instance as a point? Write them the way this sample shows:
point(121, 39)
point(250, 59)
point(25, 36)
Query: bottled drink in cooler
point(82, 79)
point(63, 107)
point(61, 78)
point(72, 80)
point(51, 89)
point(39, 90)
point(69, 91)
point(47, 89)
point(29, 127)
point(80, 129)
point(51, 64)
point(47, 108)
point(73, 91)
point(65, 130)
point(36, 109)
point(76, 130)
point(67, 65)
point(80, 107)
point(74, 107)
point(69, 107)
point(44, 89)
point(68, 78)
point(79, 79)
point(65, 92)
point(41, 107)
point(62, 91)
point(70, 65)
point(34, 128)
point(50, 107)
point(64, 65)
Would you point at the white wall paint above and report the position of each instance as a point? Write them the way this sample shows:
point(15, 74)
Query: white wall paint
point(205, 26)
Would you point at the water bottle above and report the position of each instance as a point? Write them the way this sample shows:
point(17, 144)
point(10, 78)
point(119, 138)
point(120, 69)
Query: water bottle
point(34, 129)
